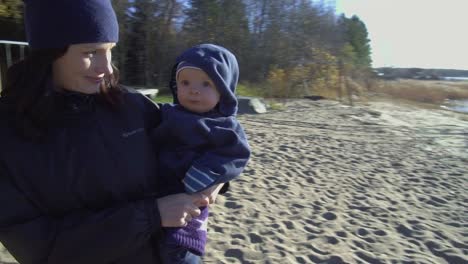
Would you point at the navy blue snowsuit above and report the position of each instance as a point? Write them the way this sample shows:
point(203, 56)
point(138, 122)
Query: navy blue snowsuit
point(199, 150)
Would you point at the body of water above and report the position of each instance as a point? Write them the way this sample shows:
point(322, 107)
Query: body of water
point(456, 105)
point(456, 78)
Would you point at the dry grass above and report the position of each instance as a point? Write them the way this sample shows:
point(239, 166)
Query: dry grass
point(434, 92)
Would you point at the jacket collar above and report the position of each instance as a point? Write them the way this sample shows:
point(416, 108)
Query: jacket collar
point(75, 102)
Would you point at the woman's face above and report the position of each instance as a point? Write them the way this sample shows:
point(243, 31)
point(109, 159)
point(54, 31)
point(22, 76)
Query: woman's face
point(83, 67)
point(196, 91)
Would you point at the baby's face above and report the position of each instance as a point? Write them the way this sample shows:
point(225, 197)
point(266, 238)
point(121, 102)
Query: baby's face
point(196, 91)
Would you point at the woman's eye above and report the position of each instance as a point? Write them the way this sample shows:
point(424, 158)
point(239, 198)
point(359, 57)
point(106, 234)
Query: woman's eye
point(90, 54)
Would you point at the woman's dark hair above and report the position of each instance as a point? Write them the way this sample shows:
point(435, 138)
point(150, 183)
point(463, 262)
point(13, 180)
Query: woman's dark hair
point(29, 92)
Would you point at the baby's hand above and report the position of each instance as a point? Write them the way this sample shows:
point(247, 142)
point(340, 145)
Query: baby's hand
point(212, 192)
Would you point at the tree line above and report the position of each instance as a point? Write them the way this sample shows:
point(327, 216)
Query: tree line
point(286, 47)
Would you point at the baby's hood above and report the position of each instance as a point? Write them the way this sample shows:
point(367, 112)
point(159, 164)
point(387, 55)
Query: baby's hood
point(220, 65)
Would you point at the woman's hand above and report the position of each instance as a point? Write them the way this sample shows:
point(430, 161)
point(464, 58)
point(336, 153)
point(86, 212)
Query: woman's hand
point(178, 209)
point(212, 192)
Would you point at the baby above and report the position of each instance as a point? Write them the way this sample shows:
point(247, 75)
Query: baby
point(202, 145)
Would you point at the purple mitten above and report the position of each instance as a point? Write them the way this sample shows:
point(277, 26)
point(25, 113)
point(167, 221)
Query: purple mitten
point(193, 236)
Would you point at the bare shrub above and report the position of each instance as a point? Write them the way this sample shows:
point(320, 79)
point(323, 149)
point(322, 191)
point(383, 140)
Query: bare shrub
point(422, 91)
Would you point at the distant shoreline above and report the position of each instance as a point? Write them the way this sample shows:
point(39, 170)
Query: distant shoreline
point(455, 78)
point(420, 73)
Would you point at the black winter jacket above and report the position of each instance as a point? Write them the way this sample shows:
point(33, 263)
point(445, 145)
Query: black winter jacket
point(87, 193)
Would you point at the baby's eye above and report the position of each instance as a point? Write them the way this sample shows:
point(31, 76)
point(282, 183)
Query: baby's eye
point(185, 83)
point(206, 84)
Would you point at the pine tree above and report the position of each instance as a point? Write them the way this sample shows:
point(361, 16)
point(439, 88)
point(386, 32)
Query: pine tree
point(202, 21)
point(355, 33)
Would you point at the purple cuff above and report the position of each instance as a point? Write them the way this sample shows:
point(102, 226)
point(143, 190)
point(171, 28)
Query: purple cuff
point(193, 236)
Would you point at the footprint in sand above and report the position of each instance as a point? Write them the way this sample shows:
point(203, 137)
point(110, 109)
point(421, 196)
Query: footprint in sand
point(321, 259)
point(380, 233)
point(332, 240)
point(437, 250)
point(254, 238)
point(233, 205)
point(289, 225)
point(367, 257)
point(341, 234)
point(235, 253)
point(362, 232)
point(329, 216)
point(405, 231)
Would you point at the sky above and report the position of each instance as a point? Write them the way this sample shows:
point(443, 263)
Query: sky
point(414, 33)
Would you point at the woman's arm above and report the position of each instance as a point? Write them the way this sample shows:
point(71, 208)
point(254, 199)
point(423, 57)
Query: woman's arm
point(85, 236)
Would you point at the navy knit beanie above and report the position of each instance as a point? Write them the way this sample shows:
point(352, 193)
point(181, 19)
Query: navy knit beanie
point(59, 23)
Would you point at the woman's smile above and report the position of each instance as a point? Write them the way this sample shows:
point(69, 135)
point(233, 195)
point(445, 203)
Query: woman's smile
point(95, 80)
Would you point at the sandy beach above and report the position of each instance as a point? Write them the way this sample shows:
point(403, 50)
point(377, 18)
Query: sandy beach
point(375, 183)
point(379, 182)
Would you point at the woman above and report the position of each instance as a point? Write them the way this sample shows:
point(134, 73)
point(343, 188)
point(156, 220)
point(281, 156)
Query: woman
point(77, 171)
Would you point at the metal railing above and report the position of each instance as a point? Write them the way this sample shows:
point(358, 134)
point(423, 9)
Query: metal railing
point(8, 60)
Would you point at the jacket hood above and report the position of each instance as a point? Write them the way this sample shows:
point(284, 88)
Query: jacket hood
point(220, 65)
